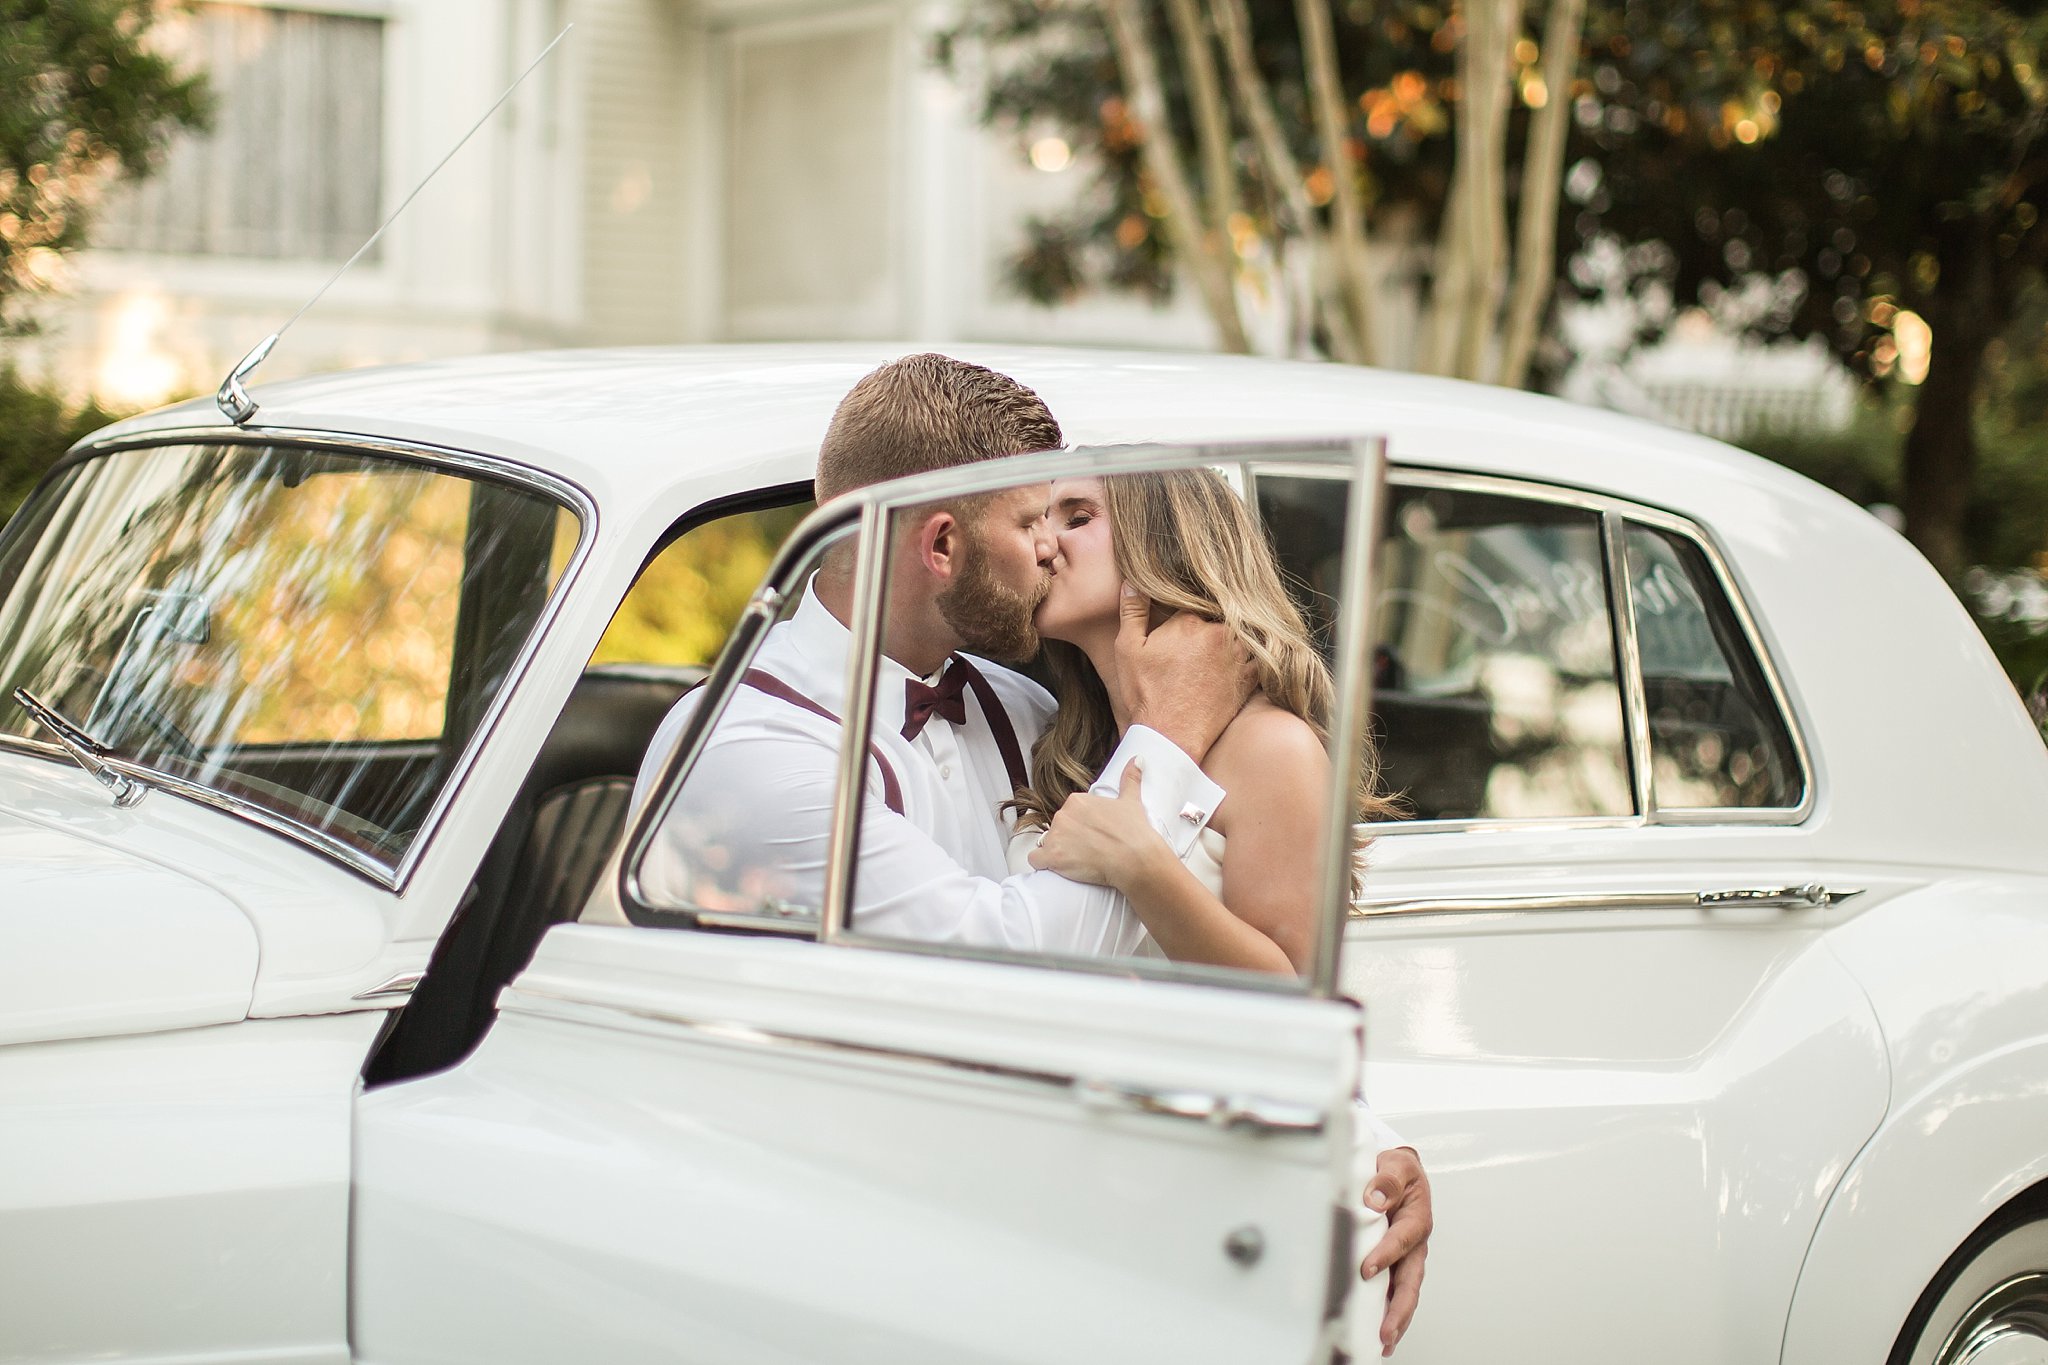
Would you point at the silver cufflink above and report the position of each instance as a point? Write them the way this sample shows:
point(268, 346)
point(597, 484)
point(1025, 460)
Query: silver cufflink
point(1193, 813)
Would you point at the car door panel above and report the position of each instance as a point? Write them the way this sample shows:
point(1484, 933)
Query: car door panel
point(681, 1148)
point(808, 1143)
point(1662, 1100)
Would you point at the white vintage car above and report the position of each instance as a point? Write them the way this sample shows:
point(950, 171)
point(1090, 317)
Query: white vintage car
point(1708, 970)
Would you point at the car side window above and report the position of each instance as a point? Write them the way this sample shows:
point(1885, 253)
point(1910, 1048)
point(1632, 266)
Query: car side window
point(685, 601)
point(1496, 689)
point(1717, 740)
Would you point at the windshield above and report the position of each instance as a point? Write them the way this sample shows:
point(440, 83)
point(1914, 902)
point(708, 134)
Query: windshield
point(317, 634)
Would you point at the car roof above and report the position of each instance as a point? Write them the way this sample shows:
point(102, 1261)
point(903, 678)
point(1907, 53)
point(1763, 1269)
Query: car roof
point(655, 433)
point(634, 418)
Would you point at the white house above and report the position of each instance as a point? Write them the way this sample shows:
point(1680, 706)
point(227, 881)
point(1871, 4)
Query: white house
point(679, 170)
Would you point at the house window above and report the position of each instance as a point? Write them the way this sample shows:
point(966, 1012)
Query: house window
point(293, 166)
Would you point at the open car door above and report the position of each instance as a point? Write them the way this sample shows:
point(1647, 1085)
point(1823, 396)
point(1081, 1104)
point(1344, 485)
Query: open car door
point(741, 1113)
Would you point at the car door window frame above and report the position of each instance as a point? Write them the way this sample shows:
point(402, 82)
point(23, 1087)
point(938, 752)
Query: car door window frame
point(866, 513)
point(1615, 516)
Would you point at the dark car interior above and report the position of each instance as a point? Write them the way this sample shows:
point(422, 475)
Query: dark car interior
point(541, 867)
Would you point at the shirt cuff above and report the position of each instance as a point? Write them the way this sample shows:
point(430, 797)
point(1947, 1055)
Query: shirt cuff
point(1179, 797)
point(1373, 1133)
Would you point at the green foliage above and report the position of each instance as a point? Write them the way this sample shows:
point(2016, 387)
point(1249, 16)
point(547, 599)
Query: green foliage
point(1047, 66)
point(36, 427)
point(1865, 159)
point(1876, 154)
point(687, 601)
point(82, 98)
point(2005, 520)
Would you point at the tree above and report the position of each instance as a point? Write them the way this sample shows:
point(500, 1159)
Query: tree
point(1272, 140)
point(36, 426)
point(82, 98)
point(1882, 161)
point(1872, 173)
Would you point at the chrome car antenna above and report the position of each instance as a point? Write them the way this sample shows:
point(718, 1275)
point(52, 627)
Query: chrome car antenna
point(233, 399)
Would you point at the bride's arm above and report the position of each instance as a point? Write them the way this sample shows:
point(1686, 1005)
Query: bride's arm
point(1278, 776)
point(1108, 841)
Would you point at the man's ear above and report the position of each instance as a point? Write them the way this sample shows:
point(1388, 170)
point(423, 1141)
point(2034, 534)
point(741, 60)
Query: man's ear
point(937, 541)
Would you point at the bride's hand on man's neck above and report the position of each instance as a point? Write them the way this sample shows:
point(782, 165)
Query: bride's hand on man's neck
point(1101, 651)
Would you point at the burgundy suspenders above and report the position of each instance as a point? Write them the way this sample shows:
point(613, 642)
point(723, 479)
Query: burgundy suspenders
point(998, 722)
point(892, 791)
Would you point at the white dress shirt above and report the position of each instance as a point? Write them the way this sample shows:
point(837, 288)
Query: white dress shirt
point(753, 820)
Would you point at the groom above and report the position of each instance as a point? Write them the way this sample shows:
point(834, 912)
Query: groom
point(966, 575)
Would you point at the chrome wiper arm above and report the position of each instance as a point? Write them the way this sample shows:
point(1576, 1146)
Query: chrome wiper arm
point(90, 753)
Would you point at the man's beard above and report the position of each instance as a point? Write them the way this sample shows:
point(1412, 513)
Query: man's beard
point(990, 617)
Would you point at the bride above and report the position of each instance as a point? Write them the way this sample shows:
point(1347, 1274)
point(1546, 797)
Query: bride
point(1133, 545)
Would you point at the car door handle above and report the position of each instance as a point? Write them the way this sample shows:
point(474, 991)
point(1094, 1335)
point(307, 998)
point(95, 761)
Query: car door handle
point(1811, 896)
point(1240, 1113)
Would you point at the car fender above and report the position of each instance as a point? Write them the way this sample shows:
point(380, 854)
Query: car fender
point(96, 942)
point(1951, 971)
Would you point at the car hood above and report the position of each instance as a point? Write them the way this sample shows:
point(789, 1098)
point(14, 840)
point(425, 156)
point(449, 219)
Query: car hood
point(95, 941)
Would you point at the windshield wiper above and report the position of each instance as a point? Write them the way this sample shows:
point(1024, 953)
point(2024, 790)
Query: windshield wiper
point(90, 753)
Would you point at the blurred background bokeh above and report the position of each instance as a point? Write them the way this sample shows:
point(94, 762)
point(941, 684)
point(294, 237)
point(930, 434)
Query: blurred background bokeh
point(1808, 227)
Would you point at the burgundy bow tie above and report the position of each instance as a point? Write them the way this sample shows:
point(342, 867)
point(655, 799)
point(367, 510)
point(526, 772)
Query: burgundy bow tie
point(922, 701)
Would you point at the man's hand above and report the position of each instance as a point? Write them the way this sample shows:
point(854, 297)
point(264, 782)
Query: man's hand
point(1399, 1189)
point(1186, 679)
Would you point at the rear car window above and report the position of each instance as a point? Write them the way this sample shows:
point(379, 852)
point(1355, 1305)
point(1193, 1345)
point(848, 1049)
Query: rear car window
point(1717, 740)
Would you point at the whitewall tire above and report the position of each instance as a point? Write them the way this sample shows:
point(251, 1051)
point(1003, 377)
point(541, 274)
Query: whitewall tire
point(1990, 1304)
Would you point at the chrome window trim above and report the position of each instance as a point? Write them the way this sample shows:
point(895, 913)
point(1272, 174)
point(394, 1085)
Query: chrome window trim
point(1788, 899)
point(1608, 505)
point(1621, 604)
point(1501, 824)
point(1148, 969)
point(814, 533)
point(1351, 714)
point(393, 876)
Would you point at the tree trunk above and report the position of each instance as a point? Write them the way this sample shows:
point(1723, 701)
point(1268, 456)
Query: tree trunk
point(1542, 176)
point(1203, 247)
point(1333, 133)
point(1966, 311)
point(1212, 115)
point(1941, 449)
point(1488, 92)
point(1283, 176)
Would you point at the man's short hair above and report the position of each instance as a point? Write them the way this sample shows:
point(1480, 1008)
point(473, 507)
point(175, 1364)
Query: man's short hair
point(927, 412)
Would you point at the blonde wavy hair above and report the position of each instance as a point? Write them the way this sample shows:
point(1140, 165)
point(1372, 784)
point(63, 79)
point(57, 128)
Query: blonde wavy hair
point(1189, 543)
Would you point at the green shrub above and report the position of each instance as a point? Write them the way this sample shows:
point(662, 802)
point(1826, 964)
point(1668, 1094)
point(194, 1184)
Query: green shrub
point(37, 425)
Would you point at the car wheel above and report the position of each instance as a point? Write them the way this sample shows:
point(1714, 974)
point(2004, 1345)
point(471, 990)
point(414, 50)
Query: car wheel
point(1989, 1306)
